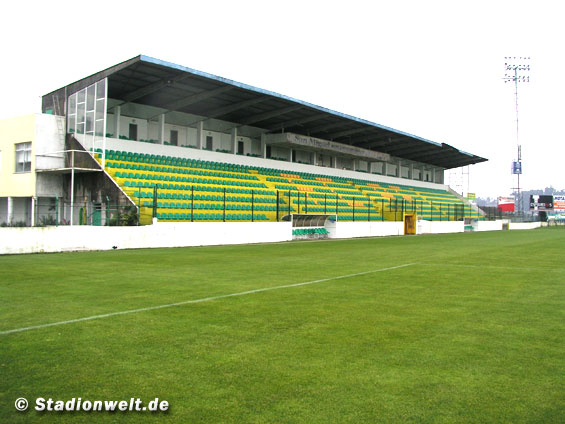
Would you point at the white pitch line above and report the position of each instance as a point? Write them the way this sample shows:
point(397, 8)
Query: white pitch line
point(204, 299)
point(495, 267)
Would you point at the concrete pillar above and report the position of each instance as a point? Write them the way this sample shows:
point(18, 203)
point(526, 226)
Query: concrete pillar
point(33, 205)
point(411, 171)
point(354, 164)
point(314, 160)
point(264, 146)
point(335, 161)
point(117, 116)
point(290, 156)
point(161, 129)
point(234, 140)
point(199, 135)
point(10, 211)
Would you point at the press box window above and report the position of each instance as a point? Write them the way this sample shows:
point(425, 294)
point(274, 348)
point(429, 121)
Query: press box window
point(23, 157)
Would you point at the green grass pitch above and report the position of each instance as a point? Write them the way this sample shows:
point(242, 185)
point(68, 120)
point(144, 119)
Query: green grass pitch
point(473, 331)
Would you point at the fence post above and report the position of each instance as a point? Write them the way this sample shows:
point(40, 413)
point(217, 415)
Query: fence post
point(306, 202)
point(192, 204)
point(325, 202)
point(277, 206)
point(252, 204)
point(224, 204)
point(289, 202)
point(336, 205)
point(154, 213)
point(354, 209)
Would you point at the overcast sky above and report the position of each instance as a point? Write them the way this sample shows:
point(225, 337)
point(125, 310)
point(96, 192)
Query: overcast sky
point(430, 68)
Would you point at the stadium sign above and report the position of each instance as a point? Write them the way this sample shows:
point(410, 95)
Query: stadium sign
point(559, 203)
point(321, 144)
point(516, 167)
point(506, 204)
point(541, 202)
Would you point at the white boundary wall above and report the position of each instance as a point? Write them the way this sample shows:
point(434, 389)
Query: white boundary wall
point(82, 237)
point(439, 227)
point(524, 225)
point(65, 238)
point(367, 229)
point(489, 225)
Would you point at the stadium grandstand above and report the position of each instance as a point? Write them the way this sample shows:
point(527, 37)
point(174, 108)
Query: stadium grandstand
point(149, 141)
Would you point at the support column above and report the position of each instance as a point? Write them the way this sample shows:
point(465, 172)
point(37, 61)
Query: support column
point(290, 156)
point(335, 161)
point(264, 146)
point(314, 160)
point(354, 164)
point(199, 134)
point(33, 205)
point(10, 210)
point(161, 129)
point(411, 171)
point(117, 116)
point(234, 140)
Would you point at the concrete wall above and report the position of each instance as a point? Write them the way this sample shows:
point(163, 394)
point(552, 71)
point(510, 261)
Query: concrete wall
point(524, 225)
point(367, 229)
point(439, 227)
point(488, 226)
point(66, 238)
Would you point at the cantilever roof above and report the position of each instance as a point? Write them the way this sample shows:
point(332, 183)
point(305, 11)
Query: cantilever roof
point(171, 87)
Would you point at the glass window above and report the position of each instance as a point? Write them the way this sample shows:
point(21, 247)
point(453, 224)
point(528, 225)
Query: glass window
point(81, 96)
point(90, 97)
point(101, 89)
point(72, 104)
point(99, 128)
point(23, 157)
point(100, 112)
point(89, 122)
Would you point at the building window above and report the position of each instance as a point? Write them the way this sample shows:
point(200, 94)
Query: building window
point(23, 157)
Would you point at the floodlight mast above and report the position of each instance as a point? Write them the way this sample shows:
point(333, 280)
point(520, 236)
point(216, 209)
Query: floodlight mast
point(517, 70)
